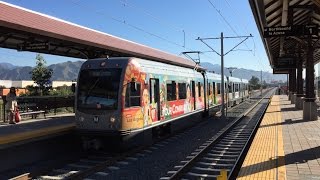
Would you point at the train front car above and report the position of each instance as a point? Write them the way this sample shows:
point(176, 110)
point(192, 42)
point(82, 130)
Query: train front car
point(98, 97)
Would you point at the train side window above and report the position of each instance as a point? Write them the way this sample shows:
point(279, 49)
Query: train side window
point(182, 90)
point(133, 97)
point(209, 88)
point(213, 88)
point(219, 88)
point(199, 89)
point(230, 87)
point(171, 90)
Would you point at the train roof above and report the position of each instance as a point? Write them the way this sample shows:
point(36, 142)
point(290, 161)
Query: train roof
point(234, 79)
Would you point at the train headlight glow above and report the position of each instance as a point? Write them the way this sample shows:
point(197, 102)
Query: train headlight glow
point(112, 120)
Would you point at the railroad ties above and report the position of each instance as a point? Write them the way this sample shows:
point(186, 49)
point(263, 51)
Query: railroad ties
point(223, 153)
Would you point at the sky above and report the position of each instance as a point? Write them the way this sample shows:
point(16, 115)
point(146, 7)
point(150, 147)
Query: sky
point(170, 26)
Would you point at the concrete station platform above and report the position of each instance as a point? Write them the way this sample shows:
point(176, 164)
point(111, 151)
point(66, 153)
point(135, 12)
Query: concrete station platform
point(29, 130)
point(285, 146)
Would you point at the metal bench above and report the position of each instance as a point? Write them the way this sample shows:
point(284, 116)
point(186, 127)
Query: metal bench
point(33, 114)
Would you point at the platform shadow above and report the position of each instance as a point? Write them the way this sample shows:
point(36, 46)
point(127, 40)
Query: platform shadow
point(292, 158)
point(286, 122)
point(290, 109)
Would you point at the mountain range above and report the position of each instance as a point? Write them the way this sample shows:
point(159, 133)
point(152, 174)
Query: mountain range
point(245, 73)
point(68, 71)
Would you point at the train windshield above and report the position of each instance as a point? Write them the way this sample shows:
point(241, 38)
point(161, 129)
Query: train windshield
point(98, 89)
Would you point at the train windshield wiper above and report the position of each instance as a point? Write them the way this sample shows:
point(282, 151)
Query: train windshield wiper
point(90, 90)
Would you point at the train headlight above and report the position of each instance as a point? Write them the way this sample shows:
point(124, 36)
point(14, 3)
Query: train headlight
point(112, 120)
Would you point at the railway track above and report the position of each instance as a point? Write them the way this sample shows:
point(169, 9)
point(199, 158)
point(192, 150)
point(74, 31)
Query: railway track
point(92, 164)
point(95, 164)
point(222, 154)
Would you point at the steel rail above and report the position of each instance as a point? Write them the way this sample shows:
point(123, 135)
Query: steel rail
point(188, 165)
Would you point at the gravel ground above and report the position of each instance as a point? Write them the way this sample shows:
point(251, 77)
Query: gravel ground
point(156, 161)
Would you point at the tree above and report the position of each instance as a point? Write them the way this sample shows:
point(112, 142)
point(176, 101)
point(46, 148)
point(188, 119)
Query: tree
point(41, 75)
point(254, 82)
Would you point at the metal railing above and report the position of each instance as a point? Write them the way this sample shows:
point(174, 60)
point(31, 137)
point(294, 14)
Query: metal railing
point(46, 103)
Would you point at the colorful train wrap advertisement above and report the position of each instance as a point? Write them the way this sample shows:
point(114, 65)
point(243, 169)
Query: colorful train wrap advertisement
point(146, 112)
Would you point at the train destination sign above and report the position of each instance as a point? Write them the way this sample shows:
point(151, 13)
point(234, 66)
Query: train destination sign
point(294, 30)
point(281, 71)
point(33, 46)
point(277, 31)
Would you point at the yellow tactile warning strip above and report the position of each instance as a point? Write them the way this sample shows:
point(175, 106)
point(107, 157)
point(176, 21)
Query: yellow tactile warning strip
point(11, 138)
point(265, 159)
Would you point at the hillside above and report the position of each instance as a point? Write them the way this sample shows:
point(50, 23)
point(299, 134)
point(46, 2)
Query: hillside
point(244, 73)
point(68, 71)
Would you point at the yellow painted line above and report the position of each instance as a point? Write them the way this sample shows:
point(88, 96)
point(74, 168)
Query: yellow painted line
point(36, 133)
point(265, 158)
point(281, 161)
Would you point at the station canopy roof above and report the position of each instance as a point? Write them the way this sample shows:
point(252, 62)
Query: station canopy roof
point(285, 27)
point(26, 30)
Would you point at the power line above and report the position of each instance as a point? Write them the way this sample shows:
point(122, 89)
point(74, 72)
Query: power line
point(245, 28)
point(232, 29)
point(222, 54)
point(161, 21)
point(132, 25)
point(158, 20)
point(124, 22)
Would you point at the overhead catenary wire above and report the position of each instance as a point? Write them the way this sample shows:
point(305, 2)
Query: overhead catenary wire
point(246, 29)
point(121, 21)
point(161, 21)
point(232, 29)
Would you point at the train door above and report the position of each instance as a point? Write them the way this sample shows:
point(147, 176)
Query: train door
point(193, 90)
point(155, 99)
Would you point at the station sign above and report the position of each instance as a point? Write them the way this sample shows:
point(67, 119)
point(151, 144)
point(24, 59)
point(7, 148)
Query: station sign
point(285, 63)
point(278, 31)
point(33, 46)
point(294, 30)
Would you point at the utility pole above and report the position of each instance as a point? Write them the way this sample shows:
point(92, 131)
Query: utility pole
point(221, 54)
point(261, 84)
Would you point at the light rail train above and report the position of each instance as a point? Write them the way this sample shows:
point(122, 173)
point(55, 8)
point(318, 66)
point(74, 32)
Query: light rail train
point(132, 98)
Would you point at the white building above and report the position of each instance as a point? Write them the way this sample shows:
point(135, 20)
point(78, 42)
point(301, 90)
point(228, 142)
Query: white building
point(61, 83)
point(6, 83)
point(25, 83)
point(22, 83)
